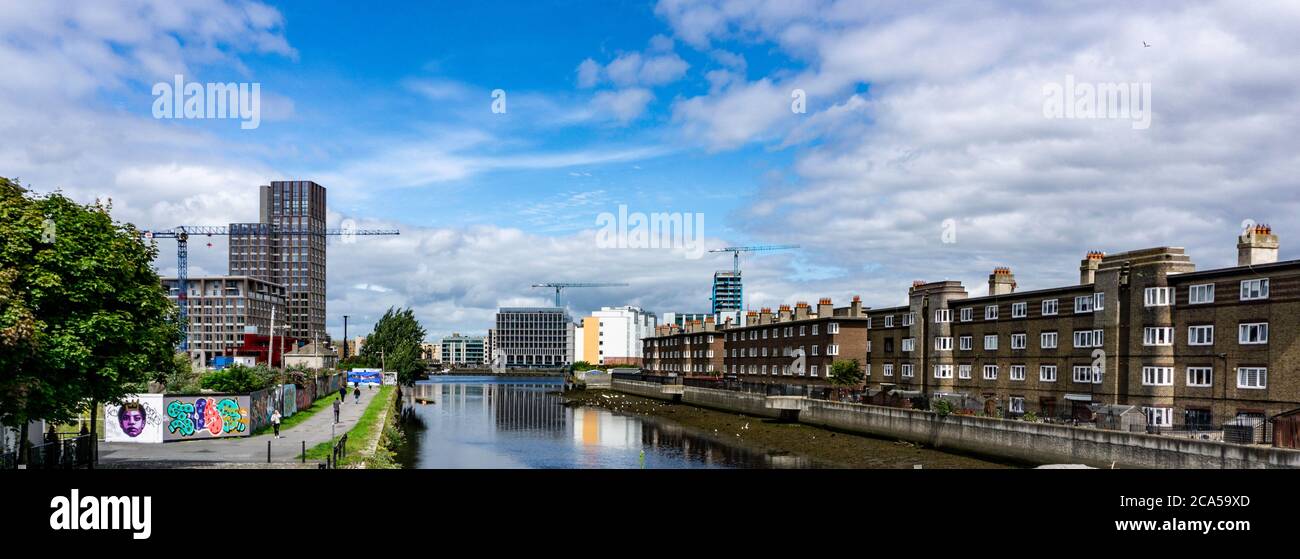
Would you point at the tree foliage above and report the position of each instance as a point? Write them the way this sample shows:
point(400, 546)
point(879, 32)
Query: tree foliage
point(238, 379)
point(395, 344)
point(846, 372)
point(83, 316)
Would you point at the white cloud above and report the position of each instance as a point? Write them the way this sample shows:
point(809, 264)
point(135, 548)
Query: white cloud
point(624, 105)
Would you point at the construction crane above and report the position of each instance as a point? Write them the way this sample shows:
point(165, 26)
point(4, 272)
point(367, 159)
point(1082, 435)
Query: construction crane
point(182, 235)
point(560, 286)
point(735, 252)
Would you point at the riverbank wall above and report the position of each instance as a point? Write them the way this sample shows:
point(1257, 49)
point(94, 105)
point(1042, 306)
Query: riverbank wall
point(1018, 440)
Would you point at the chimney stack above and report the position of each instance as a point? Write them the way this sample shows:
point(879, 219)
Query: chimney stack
point(1001, 281)
point(855, 308)
point(709, 326)
point(825, 308)
point(801, 310)
point(1257, 246)
point(1088, 267)
point(765, 316)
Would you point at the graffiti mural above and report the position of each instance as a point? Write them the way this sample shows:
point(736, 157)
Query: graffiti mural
point(138, 419)
point(206, 417)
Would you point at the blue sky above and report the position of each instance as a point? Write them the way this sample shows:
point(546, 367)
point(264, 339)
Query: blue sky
point(919, 114)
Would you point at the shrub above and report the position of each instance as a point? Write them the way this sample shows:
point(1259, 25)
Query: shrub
point(238, 379)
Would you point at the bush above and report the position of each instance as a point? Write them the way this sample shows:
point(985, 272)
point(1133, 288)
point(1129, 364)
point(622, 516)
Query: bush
point(1029, 416)
point(238, 379)
point(943, 407)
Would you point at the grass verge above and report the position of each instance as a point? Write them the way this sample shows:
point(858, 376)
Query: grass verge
point(361, 433)
point(325, 402)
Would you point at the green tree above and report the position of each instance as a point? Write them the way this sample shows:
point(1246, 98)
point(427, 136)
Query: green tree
point(845, 373)
point(395, 344)
point(581, 366)
point(182, 378)
point(238, 379)
point(83, 316)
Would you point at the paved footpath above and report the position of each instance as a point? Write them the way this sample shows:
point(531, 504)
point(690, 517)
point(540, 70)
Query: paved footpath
point(247, 450)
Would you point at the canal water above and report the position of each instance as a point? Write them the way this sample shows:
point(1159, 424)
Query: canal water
point(494, 422)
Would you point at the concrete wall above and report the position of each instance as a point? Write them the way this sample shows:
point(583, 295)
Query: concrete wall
point(1018, 440)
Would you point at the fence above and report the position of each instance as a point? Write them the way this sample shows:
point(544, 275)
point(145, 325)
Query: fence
point(338, 453)
point(70, 451)
point(657, 379)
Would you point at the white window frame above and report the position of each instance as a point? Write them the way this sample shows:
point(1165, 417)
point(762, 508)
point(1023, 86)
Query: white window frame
point(889, 321)
point(1083, 304)
point(990, 341)
point(1016, 372)
point(990, 372)
point(1260, 374)
point(1016, 404)
point(1157, 376)
point(1200, 376)
point(1158, 336)
point(832, 349)
point(1159, 417)
point(942, 316)
point(1048, 340)
point(990, 312)
point(833, 328)
point(887, 369)
point(1098, 301)
point(1043, 375)
point(943, 343)
point(814, 349)
point(814, 332)
point(943, 371)
point(967, 314)
point(906, 371)
point(1200, 335)
point(1200, 294)
point(1158, 296)
point(1019, 310)
point(812, 371)
point(908, 345)
point(1254, 289)
point(908, 319)
point(1252, 333)
point(963, 372)
point(966, 343)
point(1050, 306)
point(1091, 374)
point(1022, 338)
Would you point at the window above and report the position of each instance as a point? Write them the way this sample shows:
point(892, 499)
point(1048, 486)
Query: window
point(907, 370)
point(965, 342)
point(803, 330)
point(1253, 333)
point(1254, 289)
point(963, 371)
point(1049, 307)
point(1019, 310)
point(889, 321)
point(866, 370)
point(990, 372)
point(814, 350)
point(1160, 335)
point(1017, 372)
point(1158, 296)
point(1047, 373)
point(943, 315)
point(1252, 377)
point(764, 370)
point(753, 352)
point(1087, 338)
point(1160, 417)
point(887, 369)
point(833, 349)
point(991, 341)
point(908, 319)
point(909, 344)
point(1200, 335)
point(1047, 340)
point(813, 371)
point(765, 351)
point(1084, 373)
point(1200, 294)
point(1157, 376)
point(753, 334)
point(943, 344)
point(764, 334)
point(966, 315)
point(1083, 304)
point(943, 371)
point(833, 328)
point(814, 329)
point(1018, 341)
point(991, 312)
point(1200, 376)
point(1017, 404)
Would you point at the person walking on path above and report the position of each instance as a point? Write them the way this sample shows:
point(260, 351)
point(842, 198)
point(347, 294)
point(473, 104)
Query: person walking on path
point(275, 422)
point(336, 409)
point(356, 392)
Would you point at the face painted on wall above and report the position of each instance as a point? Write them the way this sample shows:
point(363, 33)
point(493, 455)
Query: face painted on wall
point(131, 418)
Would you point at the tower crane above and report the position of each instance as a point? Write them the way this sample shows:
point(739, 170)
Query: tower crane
point(561, 285)
point(735, 252)
point(182, 235)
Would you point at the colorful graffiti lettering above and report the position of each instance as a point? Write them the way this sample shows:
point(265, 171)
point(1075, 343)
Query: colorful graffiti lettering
point(181, 413)
point(232, 416)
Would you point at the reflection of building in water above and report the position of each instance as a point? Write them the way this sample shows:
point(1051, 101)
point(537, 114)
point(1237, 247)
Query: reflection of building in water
point(593, 427)
point(696, 448)
point(525, 406)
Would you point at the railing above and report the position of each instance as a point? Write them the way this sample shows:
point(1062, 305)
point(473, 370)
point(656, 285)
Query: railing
point(338, 453)
point(72, 451)
point(657, 379)
point(1188, 430)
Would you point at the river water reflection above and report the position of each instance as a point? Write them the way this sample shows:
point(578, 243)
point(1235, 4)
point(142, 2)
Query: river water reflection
point(477, 422)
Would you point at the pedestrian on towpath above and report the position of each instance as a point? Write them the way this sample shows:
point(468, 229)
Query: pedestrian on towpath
point(336, 409)
point(343, 391)
point(275, 422)
point(356, 392)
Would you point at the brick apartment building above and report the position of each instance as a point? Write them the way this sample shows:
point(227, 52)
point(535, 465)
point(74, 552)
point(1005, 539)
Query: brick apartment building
point(694, 351)
point(1140, 328)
